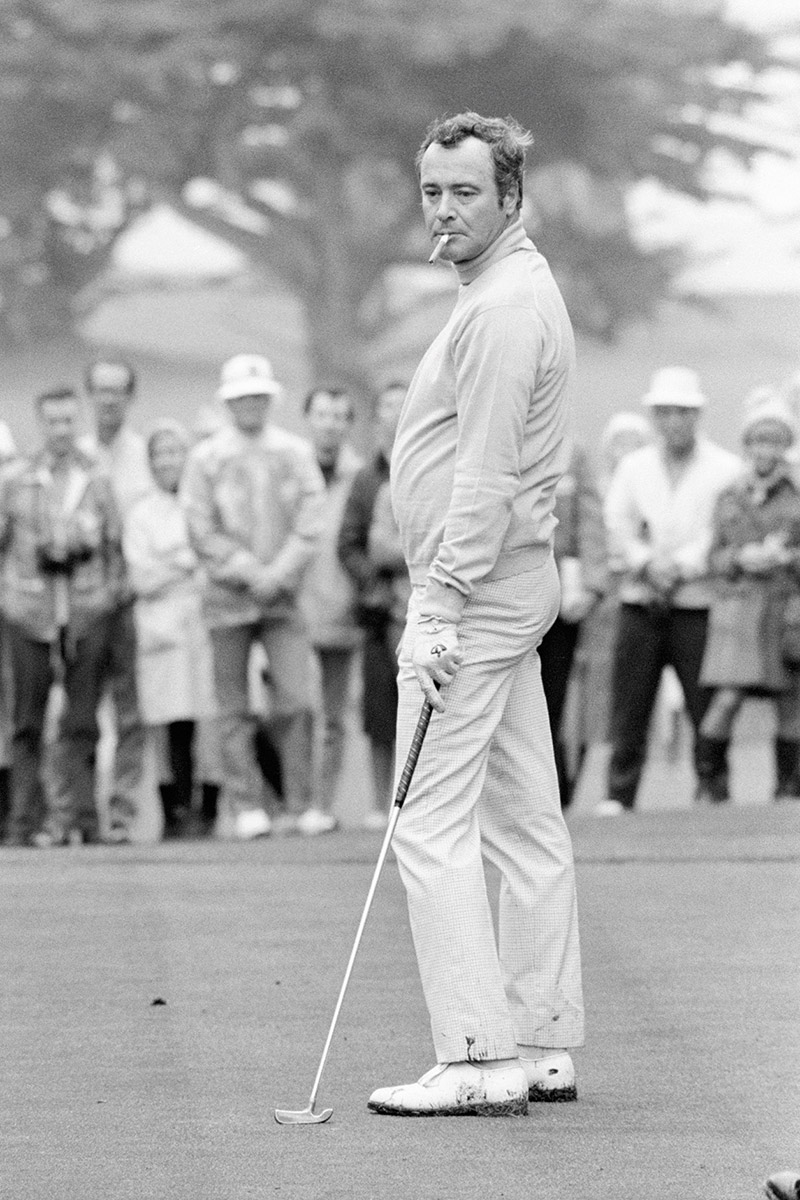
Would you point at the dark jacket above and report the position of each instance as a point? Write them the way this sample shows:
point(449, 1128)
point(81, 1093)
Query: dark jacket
point(745, 646)
point(375, 596)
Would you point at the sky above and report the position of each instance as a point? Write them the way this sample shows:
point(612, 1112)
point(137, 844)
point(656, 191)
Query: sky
point(753, 243)
point(763, 14)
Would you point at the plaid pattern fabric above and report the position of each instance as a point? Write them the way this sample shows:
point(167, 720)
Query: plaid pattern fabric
point(97, 582)
point(486, 784)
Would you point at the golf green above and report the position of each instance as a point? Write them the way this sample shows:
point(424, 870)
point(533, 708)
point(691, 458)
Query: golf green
point(161, 1001)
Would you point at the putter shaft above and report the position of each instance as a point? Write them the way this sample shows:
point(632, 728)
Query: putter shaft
point(307, 1116)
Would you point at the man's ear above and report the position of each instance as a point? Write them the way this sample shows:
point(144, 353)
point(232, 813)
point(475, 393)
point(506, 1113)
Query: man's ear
point(510, 200)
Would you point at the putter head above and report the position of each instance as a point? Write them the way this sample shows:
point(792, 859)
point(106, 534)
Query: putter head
point(306, 1116)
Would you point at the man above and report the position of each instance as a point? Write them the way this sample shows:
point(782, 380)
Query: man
point(253, 496)
point(376, 586)
point(580, 551)
point(328, 597)
point(8, 454)
point(121, 451)
point(658, 514)
point(63, 574)
point(480, 449)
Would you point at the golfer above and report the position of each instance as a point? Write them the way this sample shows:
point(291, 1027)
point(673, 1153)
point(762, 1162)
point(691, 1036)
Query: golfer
point(479, 451)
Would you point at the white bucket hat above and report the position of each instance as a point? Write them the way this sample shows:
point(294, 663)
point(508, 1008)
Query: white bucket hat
point(674, 387)
point(247, 375)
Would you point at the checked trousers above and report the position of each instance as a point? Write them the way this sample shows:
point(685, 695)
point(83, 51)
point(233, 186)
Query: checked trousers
point(485, 786)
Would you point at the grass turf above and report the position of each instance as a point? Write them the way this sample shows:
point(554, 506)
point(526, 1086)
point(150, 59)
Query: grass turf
point(688, 1083)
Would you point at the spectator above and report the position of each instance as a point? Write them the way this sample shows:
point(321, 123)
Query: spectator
point(328, 596)
point(658, 513)
point(209, 419)
point(121, 451)
point(175, 669)
point(386, 551)
point(580, 550)
point(60, 537)
point(374, 604)
point(623, 432)
point(755, 557)
point(8, 454)
point(253, 498)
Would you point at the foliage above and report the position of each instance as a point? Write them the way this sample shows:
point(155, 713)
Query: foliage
point(293, 129)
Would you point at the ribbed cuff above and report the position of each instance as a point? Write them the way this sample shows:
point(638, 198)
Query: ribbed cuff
point(442, 601)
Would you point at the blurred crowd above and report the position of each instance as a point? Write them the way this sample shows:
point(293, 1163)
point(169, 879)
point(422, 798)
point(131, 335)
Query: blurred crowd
point(222, 592)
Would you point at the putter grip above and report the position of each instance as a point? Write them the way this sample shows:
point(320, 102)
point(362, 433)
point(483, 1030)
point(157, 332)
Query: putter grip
point(413, 754)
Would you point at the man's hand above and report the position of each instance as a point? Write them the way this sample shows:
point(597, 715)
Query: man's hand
point(436, 657)
point(577, 606)
point(663, 575)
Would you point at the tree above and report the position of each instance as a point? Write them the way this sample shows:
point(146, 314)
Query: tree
point(293, 129)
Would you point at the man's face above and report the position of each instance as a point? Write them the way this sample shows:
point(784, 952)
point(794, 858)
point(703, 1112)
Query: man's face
point(459, 197)
point(677, 427)
point(328, 421)
point(249, 413)
point(59, 421)
point(110, 411)
point(387, 414)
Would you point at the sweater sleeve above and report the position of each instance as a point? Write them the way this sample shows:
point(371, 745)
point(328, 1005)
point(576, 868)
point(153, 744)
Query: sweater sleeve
point(496, 361)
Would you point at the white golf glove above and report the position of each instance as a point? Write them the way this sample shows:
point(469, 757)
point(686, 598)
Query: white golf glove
point(436, 657)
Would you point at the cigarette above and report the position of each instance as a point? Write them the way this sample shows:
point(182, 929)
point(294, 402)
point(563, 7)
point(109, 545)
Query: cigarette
point(439, 247)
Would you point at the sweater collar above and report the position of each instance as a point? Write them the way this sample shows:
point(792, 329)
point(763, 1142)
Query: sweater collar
point(512, 238)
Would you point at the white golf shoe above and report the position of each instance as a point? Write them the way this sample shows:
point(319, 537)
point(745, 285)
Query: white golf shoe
point(460, 1089)
point(550, 1079)
point(313, 822)
point(251, 823)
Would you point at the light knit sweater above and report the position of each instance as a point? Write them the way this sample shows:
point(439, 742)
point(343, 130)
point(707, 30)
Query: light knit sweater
point(480, 444)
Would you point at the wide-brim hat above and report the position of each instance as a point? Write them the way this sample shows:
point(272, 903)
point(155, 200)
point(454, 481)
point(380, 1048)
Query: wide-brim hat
point(247, 375)
point(674, 387)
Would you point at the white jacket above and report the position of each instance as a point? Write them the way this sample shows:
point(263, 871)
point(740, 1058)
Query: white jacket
point(647, 516)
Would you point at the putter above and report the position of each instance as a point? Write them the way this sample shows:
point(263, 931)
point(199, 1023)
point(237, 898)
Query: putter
point(307, 1116)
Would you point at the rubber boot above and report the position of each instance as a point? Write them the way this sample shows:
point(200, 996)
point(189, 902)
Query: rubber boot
point(787, 768)
point(5, 799)
point(209, 804)
point(711, 764)
point(173, 823)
